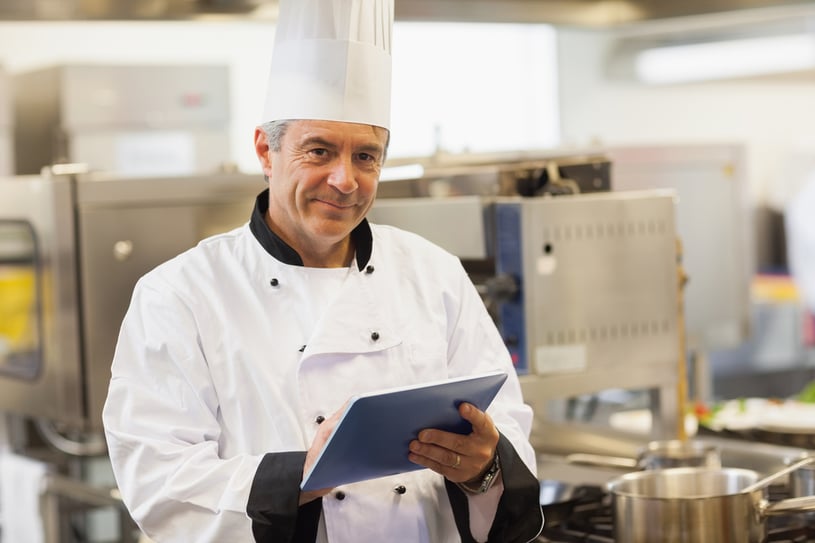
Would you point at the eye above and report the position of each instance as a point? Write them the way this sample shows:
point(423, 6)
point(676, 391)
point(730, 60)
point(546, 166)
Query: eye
point(368, 158)
point(318, 152)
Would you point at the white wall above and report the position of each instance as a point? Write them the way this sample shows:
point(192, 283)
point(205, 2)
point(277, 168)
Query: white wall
point(773, 116)
point(456, 87)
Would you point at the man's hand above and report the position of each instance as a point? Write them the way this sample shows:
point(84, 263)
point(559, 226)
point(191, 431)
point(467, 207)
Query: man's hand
point(459, 458)
point(313, 452)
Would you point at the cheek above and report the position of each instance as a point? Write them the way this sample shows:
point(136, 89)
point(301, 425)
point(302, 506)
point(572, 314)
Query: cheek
point(368, 185)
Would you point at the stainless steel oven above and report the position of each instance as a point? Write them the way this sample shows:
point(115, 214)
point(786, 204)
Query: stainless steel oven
point(6, 125)
point(71, 250)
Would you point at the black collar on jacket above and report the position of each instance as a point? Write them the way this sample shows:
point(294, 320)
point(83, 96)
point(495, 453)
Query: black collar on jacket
point(361, 237)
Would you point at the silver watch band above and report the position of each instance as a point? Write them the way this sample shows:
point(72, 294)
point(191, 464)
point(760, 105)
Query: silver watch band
point(487, 480)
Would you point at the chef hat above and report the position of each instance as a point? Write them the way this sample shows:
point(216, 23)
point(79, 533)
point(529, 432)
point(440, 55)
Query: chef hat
point(332, 61)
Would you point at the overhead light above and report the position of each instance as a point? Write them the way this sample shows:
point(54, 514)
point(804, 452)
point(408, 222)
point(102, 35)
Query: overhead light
point(726, 59)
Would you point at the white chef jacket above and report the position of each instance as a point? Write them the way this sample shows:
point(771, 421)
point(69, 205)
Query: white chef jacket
point(215, 373)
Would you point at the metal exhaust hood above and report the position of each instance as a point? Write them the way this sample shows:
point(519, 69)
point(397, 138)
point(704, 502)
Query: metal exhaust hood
point(61, 10)
point(591, 13)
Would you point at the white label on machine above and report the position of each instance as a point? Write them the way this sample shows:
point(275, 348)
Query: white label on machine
point(546, 264)
point(560, 359)
point(155, 153)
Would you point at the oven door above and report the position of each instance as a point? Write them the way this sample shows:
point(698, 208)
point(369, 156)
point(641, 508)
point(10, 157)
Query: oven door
point(126, 227)
point(40, 372)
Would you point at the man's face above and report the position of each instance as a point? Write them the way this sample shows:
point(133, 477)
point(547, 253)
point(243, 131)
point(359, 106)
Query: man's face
point(323, 180)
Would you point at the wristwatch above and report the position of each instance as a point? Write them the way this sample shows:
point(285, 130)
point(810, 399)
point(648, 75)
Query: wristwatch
point(487, 479)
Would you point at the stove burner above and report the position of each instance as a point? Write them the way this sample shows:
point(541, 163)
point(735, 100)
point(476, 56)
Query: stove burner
point(590, 521)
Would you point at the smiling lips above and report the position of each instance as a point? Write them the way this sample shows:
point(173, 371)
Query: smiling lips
point(335, 205)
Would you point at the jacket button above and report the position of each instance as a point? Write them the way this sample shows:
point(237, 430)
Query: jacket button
point(400, 489)
point(369, 269)
point(374, 336)
point(274, 282)
point(319, 419)
point(340, 495)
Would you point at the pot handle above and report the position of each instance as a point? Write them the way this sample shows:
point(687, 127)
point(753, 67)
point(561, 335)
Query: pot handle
point(758, 485)
point(784, 507)
point(603, 461)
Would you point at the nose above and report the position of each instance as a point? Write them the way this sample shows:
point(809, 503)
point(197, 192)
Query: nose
point(342, 176)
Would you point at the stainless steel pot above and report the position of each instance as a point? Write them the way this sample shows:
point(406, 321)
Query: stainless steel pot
point(658, 455)
point(802, 480)
point(694, 505)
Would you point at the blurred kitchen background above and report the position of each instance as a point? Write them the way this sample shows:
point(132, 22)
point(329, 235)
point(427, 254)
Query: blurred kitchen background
point(126, 135)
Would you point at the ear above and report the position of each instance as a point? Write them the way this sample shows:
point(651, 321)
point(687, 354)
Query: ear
point(263, 152)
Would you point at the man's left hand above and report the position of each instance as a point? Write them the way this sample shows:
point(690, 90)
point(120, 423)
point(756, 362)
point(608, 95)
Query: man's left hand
point(459, 458)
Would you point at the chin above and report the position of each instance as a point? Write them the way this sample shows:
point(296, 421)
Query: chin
point(337, 230)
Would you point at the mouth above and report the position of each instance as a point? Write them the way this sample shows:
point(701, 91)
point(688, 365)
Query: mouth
point(335, 205)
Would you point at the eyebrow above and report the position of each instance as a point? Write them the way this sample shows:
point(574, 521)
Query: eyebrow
point(370, 148)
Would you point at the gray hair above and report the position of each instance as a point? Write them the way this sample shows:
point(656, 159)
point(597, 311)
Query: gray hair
point(275, 130)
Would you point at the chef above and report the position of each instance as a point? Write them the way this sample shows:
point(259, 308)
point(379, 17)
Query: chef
point(235, 357)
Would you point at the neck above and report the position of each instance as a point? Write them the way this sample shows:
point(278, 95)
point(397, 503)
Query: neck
point(339, 255)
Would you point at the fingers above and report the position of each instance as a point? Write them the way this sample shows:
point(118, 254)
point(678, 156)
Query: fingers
point(313, 452)
point(480, 421)
point(453, 466)
point(458, 457)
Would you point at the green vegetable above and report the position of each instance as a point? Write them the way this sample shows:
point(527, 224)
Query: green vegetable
point(808, 394)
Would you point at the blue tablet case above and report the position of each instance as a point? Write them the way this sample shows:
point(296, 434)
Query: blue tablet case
point(372, 437)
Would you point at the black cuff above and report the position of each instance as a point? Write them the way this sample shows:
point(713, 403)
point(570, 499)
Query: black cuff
point(273, 501)
point(519, 517)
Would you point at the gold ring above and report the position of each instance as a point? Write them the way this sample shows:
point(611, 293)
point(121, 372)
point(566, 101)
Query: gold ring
point(458, 462)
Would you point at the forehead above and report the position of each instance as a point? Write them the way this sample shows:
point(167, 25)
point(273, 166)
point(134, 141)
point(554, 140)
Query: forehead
point(335, 132)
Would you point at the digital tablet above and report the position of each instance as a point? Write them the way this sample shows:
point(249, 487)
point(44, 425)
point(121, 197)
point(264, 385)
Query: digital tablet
point(372, 437)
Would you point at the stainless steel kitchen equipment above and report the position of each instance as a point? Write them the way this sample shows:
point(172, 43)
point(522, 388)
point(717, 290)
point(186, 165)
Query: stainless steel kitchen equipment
point(71, 250)
point(671, 453)
point(802, 480)
point(566, 12)
point(6, 125)
point(597, 308)
point(583, 286)
point(591, 517)
point(714, 221)
point(114, 118)
point(677, 505)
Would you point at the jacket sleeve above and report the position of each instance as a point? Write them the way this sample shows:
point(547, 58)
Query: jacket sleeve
point(519, 517)
point(273, 501)
point(161, 420)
